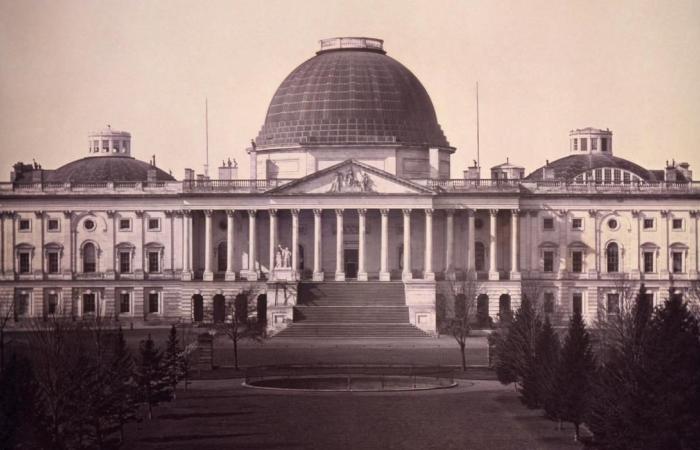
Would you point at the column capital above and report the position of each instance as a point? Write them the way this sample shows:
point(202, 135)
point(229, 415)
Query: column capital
point(384, 212)
point(318, 212)
point(515, 212)
point(406, 211)
point(168, 213)
point(139, 213)
point(295, 212)
point(252, 212)
point(593, 212)
point(449, 212)
point(362, 211)
point(471, 212)
point(493, 212)
point(39, 214)
point(230, 212)
point(187, 213)
point(208, 212)
point(67, 214)
point(562, 212)
point(272, 212)
point(429, 211)
point(664, 212)
point(694, 213)
point(635, 213)
point(339, 212)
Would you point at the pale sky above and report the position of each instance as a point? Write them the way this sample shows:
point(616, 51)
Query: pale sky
point(544, 67)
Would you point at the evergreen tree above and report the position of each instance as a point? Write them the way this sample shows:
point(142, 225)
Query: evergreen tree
point(173, 360)
point(122, 384)
point(16, 398)
point(575, 374)
point(547, 351)
point(151, 377)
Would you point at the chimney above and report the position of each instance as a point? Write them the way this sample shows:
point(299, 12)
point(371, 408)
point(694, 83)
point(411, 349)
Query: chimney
point(684, 168)
point(189, 174)
point(228, 170)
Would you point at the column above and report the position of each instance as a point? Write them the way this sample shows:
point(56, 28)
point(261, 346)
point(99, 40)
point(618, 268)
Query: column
point(534, 242)
point(318, 269)
point(208, 273)
point(361, 269)
point(514, 268)
point(694, 269)
point(273, 242)
point(493, 272)
point(339, 263)
point(428, 273)
point(665, 266)
point(384, 274)
point(563, 242)
point(471, 244)
point(252, 272)
point(634, 251)
point(449, 244)
point(406, 274)
point(230, 271)
point(295, 244)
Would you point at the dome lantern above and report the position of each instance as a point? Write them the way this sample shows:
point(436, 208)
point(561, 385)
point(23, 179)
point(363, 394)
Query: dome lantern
point(109, 142)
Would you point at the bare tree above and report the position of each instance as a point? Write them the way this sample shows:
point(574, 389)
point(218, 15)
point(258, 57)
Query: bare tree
point(188, 355)
point(614, 322)
point(238, 324)
point(459, 324)
point(7, 308)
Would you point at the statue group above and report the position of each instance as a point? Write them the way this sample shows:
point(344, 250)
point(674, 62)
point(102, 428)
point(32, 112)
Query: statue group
point(349, 182)
point(283, 258)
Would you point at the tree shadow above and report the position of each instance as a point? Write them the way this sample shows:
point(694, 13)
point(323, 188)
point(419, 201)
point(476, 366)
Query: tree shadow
point(186, 416)
point(194, 437)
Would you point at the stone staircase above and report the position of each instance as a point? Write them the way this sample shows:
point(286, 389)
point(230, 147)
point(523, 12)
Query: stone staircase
point(351, 310)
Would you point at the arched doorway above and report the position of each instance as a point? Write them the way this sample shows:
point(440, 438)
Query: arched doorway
point(482, 311)
point(262, 308)
point(504, 306)
point(241, 308)
point(219, 308)
point(197, 308)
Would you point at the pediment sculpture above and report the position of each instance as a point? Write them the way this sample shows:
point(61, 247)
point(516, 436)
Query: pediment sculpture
point(351, 180)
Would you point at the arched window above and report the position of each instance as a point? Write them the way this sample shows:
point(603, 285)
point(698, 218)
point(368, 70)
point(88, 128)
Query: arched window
point(479, 256)
point(221, 257)
point(89, 258)
point(503, 305)
point(612, 252)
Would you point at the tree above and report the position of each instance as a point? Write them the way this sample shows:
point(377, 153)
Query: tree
point(238, 324)
point(172, 360)
point(7, 308)
point(151, 378)
point(575, 374)
point(463, 295)
point(546, 364)
point(16, 399)
point(614, 319)
point(122, 384)
point(516, 351)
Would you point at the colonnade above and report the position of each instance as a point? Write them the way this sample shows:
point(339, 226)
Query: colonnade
point(252, 273)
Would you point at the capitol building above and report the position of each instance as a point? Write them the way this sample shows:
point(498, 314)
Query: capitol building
point(348, 222)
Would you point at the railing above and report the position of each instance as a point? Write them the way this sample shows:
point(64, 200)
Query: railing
point(552, 186)
point(463, 185)
point(232, 185)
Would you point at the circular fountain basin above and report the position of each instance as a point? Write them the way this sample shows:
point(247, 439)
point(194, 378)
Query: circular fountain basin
point(352, 383)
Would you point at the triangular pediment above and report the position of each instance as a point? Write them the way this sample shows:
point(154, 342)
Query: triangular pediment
point(351, 177)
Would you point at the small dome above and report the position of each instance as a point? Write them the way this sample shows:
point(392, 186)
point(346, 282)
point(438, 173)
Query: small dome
point(569, 167)
point(106, 168)
point(351, 92)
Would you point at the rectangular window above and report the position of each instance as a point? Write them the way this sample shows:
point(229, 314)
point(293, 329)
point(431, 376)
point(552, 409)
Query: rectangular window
point(575, 144)
point(154, 262)
point(549, 261)
point(25, 225)
point(616, 176)
point(607, 175)
point(648, 298)
point(89, 304)
point(548, 223)
point(153, 302)
point(124, 303)
point(598, 175)
point(105, 145)
point(24, 262)
point(584, 144)
point(124, 262)
point(153, 224)
point(577, 224)
point(52, 304)
point(648, 224)
point(53, 225)
point(677, 262)
point(22, 304)
point(594, 144)
point(53, 262)
point(613, 304)
point(677, 224)
point(577, 303)
point(548, 303)
point(124, 224)
point(648, 262)
point(577, 261)
point(603, 144)
point(626, 177)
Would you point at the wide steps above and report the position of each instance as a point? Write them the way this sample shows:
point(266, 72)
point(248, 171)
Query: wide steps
point(351, 331)
point(351, 314)
point(351, 294)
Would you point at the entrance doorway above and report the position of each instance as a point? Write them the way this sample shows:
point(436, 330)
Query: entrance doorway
point(219, 308)
point(351, 255)
point(197, 308)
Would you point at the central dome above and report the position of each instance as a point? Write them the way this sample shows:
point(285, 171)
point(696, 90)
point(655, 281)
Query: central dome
point(351, 92)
